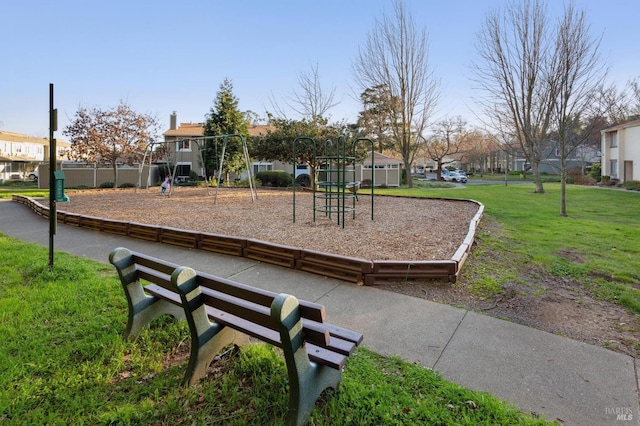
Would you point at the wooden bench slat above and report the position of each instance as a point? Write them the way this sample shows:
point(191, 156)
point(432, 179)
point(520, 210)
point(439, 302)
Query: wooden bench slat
point(314, 332)
point(259, 314)
point(343, 333)
point(326, 357)
point(163, 293)
point(153, 263)
point(316, 353)
point(338, 344)
point(154, 277)
point(310, 310)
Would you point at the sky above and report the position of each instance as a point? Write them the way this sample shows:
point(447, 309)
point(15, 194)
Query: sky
point(163, 56)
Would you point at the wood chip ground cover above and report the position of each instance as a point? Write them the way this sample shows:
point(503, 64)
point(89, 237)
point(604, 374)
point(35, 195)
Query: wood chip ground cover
point(402, 229)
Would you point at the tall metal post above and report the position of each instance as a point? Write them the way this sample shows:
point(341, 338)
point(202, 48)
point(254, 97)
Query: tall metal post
point(53, 126)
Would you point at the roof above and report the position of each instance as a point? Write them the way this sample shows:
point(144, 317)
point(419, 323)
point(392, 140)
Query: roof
point(632, 123)
point(380, 158)
point(186, 129)
point(21, 137)
point(197, 129)
point(260, 129)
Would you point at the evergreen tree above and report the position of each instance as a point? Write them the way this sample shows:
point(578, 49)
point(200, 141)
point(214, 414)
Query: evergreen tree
point(224, 118)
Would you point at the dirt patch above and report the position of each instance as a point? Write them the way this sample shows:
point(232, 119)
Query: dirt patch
point(536, 299)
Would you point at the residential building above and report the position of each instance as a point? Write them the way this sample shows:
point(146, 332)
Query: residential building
point(20, 154)
point(621, 151)
point(185, 141)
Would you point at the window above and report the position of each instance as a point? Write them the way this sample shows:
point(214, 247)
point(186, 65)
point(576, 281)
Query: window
point(184, 145)
point(261, 167)
point(613, 166)
point(183, 170)
point(613, 139)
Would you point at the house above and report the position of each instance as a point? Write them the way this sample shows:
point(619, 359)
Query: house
point(20, 154)
point(186, 141)
point(621, 151)
point(183, 144)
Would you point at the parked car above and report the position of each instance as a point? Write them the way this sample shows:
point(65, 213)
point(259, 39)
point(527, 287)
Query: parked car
point(34, 175)
point(456, 177)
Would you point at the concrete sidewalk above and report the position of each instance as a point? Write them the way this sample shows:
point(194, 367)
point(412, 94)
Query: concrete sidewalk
point(573, 382)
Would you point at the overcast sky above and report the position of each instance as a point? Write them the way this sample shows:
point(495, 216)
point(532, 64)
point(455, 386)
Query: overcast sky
point(166, 56)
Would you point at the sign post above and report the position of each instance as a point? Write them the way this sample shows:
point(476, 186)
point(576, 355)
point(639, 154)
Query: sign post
point(53, 126)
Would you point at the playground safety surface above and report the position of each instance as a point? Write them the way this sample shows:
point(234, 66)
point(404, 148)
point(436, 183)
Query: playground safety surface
point(402, 228)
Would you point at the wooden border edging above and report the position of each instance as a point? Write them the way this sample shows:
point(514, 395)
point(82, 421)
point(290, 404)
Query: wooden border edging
point(351, 269)
point(276, 254)
point(179, 237)
point(223, 244)
point(335, 266)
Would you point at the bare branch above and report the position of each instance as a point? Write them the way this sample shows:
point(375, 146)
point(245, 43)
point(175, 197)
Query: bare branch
point(395, 56)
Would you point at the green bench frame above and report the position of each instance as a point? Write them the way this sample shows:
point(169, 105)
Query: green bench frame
point(222, 312)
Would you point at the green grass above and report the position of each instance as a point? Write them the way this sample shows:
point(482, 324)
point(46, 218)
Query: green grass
point(28, 189)
point(596, 244)
point(64, 362)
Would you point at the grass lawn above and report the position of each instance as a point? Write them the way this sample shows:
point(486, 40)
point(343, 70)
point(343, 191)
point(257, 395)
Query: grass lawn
point(64, 362)
point(597, 244)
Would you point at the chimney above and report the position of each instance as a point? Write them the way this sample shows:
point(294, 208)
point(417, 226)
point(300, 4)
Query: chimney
point(173, 120)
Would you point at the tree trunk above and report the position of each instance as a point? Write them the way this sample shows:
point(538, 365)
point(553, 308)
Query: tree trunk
point(563, 187)
point(535, 171)
point(115, 175)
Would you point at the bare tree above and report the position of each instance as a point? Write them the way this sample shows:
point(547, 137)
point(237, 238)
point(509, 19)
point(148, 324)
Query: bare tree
point(448, 139)
point(619, 105)
point(311, 101)
point(634, 95)
point(395, 56)
point(514, 73)
point(578, 74)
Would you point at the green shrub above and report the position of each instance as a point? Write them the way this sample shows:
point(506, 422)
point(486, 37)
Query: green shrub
point(107, 185)
point(193, 176)
point(127, 185)
point(596, 172)
point(244, 183)
point(632, 185)
point(276, 178)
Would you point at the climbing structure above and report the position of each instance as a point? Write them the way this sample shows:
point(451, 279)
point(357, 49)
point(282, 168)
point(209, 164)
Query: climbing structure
point(335, 189)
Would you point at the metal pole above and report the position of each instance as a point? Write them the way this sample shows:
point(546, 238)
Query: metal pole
point(52, 168)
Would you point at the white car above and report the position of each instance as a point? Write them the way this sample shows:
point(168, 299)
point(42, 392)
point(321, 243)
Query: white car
point(34, 175)
point(456, 177)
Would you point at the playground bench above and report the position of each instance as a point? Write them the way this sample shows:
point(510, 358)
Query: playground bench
point(222, 312)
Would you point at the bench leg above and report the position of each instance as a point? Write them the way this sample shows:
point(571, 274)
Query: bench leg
point(307, 380)
point(142, 308)
point(207, 338)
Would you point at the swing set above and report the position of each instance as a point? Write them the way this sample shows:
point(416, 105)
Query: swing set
point(201, 144)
